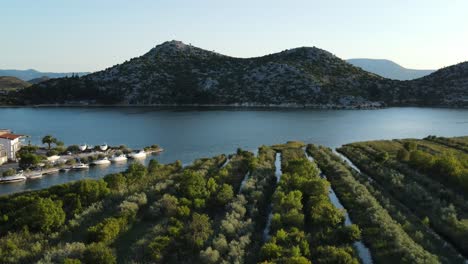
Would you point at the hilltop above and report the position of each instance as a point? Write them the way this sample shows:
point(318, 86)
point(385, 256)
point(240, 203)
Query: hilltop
point(175, 73)
point(389, 69)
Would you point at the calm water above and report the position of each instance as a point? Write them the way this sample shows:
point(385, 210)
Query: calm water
point(187, 134)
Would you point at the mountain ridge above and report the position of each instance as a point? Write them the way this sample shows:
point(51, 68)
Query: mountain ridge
point(389, 69)
point(31, 74)
point(175, 73)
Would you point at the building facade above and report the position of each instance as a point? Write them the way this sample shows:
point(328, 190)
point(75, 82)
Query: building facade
point(3, 155)
point(11, 143)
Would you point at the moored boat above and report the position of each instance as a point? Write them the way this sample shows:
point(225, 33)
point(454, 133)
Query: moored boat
point(103, 147)
point(119, 158)
point(80, 166)
point(138, 155)
point(83, 147)
point(35, 175)
point(51, 171)
point(53, 158)
point(103, 161)
point(19, 177)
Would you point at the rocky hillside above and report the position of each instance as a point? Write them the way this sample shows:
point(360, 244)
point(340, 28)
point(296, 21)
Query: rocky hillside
point(176, 73)
point(447, 86)
point(389, 69)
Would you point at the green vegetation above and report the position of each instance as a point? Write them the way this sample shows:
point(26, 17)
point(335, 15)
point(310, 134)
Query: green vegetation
point(49, 140)
point(28, 157)
point(423, 183)
point(234, 209)
point(305, 226)
point(387, 240)
point(9, 86)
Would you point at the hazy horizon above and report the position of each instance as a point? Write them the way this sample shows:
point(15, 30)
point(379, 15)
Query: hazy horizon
point(59, 36)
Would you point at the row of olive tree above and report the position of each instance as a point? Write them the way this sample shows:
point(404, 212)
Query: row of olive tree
point(428, 199)
point(303, 215)
point(388, 242)
point(233, 241)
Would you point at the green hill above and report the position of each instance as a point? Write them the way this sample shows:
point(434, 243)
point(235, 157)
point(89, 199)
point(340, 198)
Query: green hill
point(174, 73)
point(8, 83)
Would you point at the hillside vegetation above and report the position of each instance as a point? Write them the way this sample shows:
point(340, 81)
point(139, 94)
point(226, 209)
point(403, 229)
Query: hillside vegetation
point(9, 89)
point(174, 73)
point(8, 83)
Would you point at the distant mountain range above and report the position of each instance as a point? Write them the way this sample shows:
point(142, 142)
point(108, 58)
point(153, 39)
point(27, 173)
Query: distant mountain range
point(389, 69)
point(30, 74)
point(174, 73)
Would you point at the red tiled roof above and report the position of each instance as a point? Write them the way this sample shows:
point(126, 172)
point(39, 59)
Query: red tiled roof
point(10, 136)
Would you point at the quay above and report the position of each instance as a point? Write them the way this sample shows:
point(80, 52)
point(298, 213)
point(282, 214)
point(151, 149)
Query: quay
point(78, 160)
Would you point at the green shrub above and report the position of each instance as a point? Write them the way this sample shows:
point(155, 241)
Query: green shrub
point(99, 253)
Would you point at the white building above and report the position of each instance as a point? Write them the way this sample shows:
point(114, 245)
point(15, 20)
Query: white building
point(10, 142)
point(3, 155)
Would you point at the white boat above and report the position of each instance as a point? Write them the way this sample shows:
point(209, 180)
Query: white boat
point(19, 177)
point(53, 158)
point(120, 158)
point(138, 155)
point(103, 147)
point(35, 175)
point(83, 147)
point(80, 166)
point(104, 161)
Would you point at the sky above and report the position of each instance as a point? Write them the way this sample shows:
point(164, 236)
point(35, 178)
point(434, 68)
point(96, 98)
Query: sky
point(90, 35)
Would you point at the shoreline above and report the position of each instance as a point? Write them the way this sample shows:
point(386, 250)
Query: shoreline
point(242, 106)
point(233, 106)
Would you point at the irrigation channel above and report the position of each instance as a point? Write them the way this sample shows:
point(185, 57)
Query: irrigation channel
point(363, 251)
point(278, 173)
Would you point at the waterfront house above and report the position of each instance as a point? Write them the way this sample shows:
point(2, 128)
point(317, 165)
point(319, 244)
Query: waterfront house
point(3, 155)
point(10, 142)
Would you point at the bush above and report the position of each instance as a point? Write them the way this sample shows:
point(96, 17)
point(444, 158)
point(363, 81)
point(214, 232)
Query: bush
point(403, 155)
point(410, 146)
point(44, 215)
point(382, 157)
point(98, 253)
point(107, 230)
point(421, 160)
point(27, 160)
point(73, 148)
point(9, 172)
point(199, 230)
point(51, 152)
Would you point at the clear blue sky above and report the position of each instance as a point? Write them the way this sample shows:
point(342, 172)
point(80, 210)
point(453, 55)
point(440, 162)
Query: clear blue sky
point(89, 35)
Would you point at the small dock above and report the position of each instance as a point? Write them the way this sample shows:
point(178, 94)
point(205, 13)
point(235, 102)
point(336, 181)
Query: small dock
point(62, 164)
